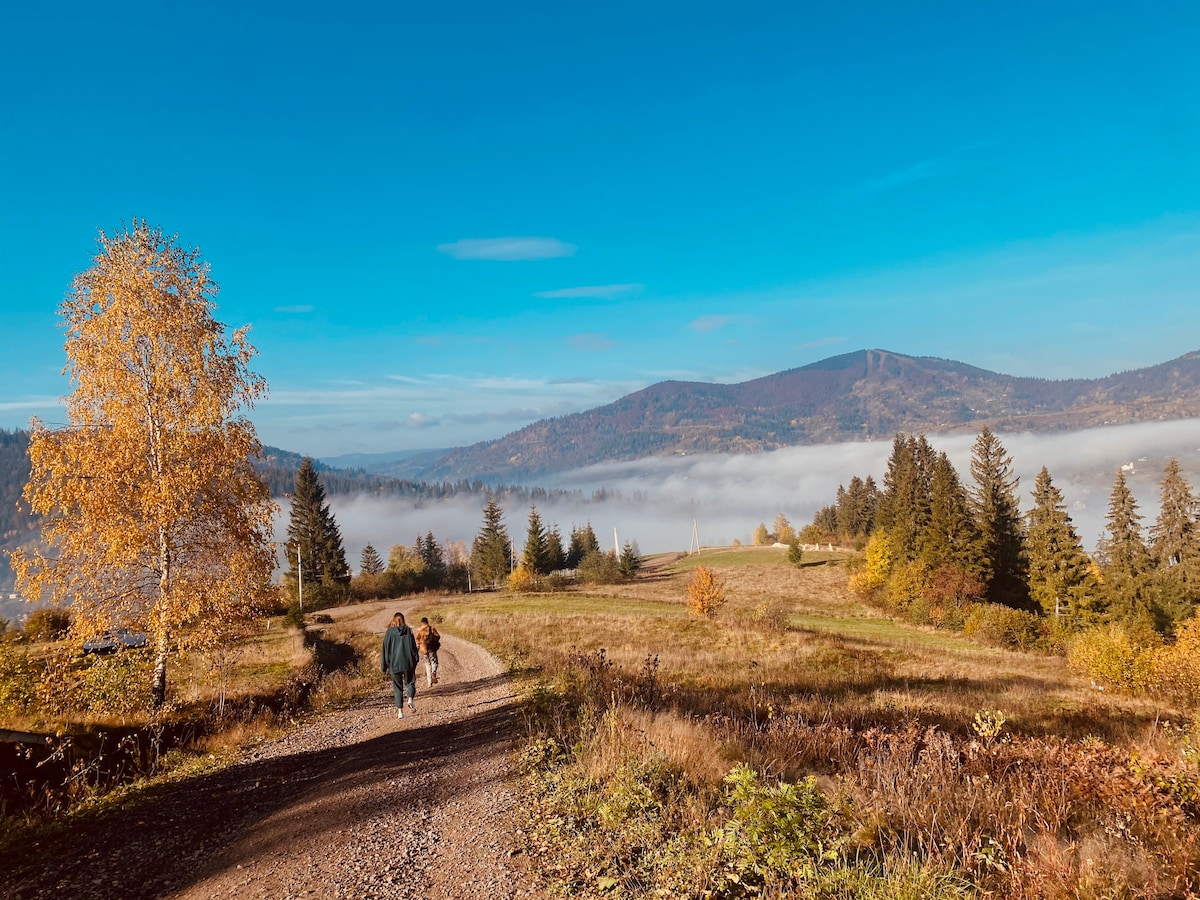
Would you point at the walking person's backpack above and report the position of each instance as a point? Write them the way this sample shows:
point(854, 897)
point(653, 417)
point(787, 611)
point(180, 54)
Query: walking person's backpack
point(433, 641)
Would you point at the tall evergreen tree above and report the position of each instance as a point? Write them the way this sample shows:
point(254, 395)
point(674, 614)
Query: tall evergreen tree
point(433, 560)
point(1175, 536)
point(370, 563)
point(583, 542)
point(536, 558)
point(903, 507)
point(321, 564)
point(1060, 577)
point(998, 519)
point(856, 507)
point(554, 549)
point(491, 552)
point(1126, 561)
point(950, 536)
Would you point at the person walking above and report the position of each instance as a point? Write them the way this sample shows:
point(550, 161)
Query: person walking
point(428, 642)
point(399, 659)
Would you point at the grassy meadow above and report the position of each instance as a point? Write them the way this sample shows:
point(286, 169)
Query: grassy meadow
point(801, 743)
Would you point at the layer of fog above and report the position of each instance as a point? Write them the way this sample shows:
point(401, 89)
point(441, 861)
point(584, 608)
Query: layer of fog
point(659, 503)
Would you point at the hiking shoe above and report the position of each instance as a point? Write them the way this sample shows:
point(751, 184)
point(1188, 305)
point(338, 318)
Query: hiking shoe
point(433, 680)
point(411, 708)
point(399, 714)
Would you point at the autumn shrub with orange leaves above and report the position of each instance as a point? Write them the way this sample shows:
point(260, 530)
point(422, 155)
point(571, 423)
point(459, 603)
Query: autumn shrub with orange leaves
point(706, 592)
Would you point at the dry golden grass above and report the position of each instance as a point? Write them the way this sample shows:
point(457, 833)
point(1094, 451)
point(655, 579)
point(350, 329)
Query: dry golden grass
point(797, 677)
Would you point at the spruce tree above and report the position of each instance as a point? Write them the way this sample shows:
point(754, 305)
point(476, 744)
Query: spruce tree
point(583, 542)
point(433, 560)
point(1175, 537)
point(536, 558)
point(630, 561)
point(1060, 578)
point(856, 508)
point(1126, 561)
point(998, 519)
point(321, 565)
point(903, 508)
point(491, 550)
point(370, 563)
point(950, 537)
point(555, 553)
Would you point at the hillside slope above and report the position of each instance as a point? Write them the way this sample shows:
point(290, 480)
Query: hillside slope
point(868, 394)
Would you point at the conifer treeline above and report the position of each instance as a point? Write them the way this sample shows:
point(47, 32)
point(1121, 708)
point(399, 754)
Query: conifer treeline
point(492, 560)
point(278, 469)
point(941, 551)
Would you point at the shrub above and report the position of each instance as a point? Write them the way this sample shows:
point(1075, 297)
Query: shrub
point(1111, 658)
point(556, 582)
point(118, 683)
point(48, 624)
point(1003, 626)
point(1176, 668)
point(877, 566)
point(522, 580)
point(706, 592)
point(775, 834)
point(598, 567)
point(18, 680)
point(295, 617)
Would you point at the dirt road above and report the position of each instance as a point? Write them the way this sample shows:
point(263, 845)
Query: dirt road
point(356, 804)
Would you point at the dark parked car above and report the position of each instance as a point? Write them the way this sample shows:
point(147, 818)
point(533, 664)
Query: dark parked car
point(117, 639)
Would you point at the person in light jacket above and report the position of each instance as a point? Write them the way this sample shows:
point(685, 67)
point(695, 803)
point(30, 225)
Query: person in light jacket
point(399, 659)
point(428, 643)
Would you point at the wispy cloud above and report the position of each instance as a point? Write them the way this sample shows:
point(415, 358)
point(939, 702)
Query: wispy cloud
point(922, 171)
point(591, 342)
point(594, 292)
point(295, 310)
point(34, 403)
point(508, 248)
point(711, 323)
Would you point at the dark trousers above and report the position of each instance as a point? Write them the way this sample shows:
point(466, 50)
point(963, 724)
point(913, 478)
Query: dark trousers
point(404, 684)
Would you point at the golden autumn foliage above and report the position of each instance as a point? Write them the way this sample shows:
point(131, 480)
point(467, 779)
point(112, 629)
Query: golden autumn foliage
point(152, 513)
point(706, 592)
point(521, 579)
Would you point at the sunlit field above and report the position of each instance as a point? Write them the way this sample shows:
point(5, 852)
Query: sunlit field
point(937, 767)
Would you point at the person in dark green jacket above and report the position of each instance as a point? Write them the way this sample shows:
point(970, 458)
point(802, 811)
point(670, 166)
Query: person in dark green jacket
point(399, 658)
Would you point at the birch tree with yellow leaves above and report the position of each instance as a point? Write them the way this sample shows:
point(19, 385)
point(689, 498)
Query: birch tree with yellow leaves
point(153, 516)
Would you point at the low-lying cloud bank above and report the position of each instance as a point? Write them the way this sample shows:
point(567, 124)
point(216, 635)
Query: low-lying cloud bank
point(654, 502)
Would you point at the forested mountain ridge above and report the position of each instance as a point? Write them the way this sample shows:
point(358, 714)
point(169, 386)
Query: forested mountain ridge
point(868, 394)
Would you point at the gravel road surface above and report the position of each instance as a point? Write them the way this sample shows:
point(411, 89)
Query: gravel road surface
point(356, 804)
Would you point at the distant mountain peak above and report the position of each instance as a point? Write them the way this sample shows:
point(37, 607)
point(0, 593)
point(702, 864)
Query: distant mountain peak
point(861, 395)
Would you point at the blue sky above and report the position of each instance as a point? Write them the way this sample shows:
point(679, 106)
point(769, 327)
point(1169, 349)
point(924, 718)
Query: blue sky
point(447, 220)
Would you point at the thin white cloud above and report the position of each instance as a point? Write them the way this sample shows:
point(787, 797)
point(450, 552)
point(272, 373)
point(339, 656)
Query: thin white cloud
point(922, 171)
point(591, 342)
point(594, 292)
point(508, 249)
point(710, 323)
point(297, 309)
point(35, 403)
